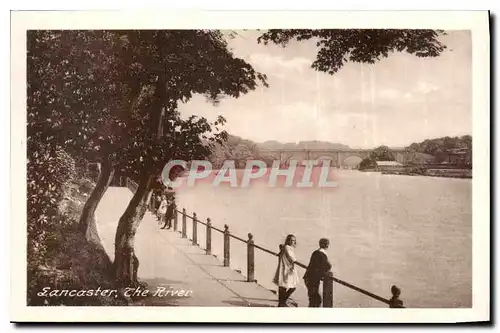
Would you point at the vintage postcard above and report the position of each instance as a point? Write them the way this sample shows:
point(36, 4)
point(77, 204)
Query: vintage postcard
point(272, 167)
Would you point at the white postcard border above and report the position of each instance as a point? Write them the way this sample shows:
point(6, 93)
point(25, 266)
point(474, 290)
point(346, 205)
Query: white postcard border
point(476, 21)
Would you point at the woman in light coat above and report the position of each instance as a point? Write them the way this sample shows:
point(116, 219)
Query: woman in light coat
point(162, 209)
point(286, 277)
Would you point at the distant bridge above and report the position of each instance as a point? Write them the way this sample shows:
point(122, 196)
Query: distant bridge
point(336, 156)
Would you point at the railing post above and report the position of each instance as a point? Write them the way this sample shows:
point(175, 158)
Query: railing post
point(195, 230)
point(184, 235)
point(328, 290)
point(226, 246)
point(209, 236)
point(250, 259)
point(395, 302)
point(176, 219)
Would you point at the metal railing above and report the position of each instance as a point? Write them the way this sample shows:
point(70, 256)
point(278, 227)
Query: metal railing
point(329, 279)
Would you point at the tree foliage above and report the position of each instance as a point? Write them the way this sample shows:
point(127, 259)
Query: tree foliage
point(382, 153)
point(443, 144)
point(336, 47)
point(49, 169)
point(95, 90)
point(367, 163)
point(442, 147)
point(236, 149)
point(77, 90)
point(178, 64)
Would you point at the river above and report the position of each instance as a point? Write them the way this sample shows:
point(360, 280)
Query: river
point(411, 231)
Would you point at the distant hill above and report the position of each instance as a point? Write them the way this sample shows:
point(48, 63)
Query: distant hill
point(301, 145)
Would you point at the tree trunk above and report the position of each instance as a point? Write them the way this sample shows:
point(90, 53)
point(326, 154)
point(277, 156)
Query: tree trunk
point(87, 219)
point(126, 263)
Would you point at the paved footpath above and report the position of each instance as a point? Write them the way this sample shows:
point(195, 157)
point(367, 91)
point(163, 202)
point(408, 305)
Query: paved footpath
point(169, 264)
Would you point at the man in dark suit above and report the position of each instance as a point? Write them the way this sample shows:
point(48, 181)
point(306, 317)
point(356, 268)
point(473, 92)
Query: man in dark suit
point(318, 267)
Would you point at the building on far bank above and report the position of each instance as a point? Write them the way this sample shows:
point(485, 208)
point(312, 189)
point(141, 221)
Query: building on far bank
point(389, 166)
point(459, 156)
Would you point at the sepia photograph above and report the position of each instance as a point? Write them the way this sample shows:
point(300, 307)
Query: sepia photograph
point(258, 167)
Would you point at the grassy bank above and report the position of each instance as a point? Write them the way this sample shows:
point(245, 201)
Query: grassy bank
point(71, 263)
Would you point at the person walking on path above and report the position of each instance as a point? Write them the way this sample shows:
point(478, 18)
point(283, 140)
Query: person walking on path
point(157, 201)
point(286, 277)
point(315, 272)
point(157, 204)
point(162, 210)
point(169, 215)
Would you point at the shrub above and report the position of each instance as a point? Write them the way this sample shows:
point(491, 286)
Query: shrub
point(72, 263)
point(59, 256)
point(367, 163)
point(49, 169)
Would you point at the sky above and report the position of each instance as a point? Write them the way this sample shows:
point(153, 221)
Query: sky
point(396, 101)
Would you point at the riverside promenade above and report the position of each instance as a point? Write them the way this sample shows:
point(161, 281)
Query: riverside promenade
point(176, 272)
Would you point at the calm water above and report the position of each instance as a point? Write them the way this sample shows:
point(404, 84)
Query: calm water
point(414, 232)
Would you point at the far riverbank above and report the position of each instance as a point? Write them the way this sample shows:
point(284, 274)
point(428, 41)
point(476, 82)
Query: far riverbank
point(447, 173)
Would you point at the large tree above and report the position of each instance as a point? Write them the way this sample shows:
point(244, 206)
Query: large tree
point(178, 64)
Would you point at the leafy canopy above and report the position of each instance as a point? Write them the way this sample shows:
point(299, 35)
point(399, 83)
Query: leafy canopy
point(339, 46)
point(382, 153)
point(101, 92)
